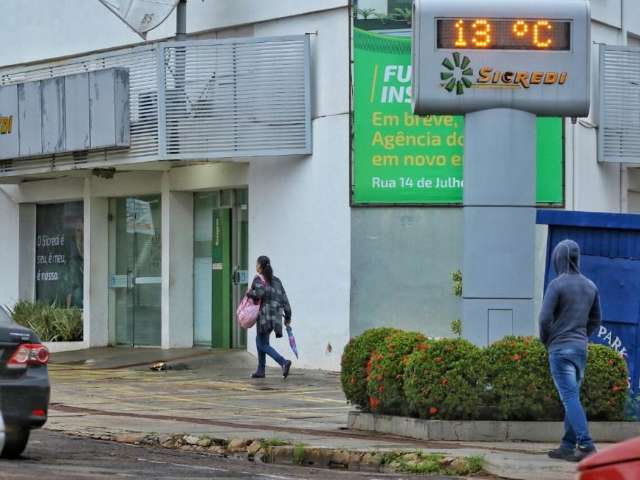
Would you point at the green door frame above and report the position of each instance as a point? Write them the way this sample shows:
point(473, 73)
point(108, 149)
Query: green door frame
point(221, 279)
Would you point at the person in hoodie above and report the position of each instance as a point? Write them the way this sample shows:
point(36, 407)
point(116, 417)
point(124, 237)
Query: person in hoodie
point(570, 313)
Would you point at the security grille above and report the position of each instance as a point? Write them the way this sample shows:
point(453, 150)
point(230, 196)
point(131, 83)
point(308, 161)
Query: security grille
point(619, 129)
point(237, 98)
point(195, 100)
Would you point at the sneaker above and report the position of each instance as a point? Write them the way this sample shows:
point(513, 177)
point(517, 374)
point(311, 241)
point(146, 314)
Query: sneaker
point(581, 453)
point(257, 375)
point(286, 368)
point(562, 453)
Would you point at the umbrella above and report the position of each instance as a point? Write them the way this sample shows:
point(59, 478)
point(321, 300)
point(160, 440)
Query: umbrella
point(292, 341)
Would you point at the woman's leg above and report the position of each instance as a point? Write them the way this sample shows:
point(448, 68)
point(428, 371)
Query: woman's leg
point(269, 350)
point(262, 358)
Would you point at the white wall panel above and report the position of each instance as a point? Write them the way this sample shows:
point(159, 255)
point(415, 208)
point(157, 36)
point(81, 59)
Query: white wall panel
point(299, 216)
point(8, 250)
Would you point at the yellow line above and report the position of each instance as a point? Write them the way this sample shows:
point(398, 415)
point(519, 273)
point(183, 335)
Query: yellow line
point(373, 84)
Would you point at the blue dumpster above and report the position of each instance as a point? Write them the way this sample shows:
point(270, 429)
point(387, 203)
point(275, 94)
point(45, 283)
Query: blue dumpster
point(610, 246)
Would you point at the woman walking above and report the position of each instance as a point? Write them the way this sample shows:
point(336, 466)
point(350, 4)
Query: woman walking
point(269, 290)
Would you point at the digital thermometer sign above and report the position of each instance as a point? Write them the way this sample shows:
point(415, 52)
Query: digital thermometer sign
point(503, 34)
point(530, 55)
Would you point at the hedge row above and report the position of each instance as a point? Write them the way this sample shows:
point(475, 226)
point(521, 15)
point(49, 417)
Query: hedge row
point(405, 373)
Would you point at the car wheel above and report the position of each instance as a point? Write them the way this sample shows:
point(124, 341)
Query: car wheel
point(16, 439)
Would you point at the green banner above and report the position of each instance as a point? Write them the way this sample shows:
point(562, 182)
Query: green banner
point(400, 158)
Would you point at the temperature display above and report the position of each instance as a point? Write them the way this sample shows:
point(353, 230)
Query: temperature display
point(504, 34)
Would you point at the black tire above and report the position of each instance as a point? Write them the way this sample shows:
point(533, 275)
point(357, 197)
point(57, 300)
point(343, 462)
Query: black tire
point(16, 439)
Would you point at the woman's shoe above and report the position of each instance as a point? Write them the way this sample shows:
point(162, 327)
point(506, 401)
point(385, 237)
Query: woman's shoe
point(286, 368)
point(257, 375)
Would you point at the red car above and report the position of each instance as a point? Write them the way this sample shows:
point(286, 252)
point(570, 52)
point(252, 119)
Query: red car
point(620, 462)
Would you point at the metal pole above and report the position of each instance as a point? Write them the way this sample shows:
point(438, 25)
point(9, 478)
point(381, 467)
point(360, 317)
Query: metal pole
point(181, 20)
point(499, 224)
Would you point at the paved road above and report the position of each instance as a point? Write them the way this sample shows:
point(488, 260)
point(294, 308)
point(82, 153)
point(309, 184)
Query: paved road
point(56, 456)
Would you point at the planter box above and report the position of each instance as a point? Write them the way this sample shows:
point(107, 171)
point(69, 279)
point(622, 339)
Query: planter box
point(485, 431)
point(57, 347)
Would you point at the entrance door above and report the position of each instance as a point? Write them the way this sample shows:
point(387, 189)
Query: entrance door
point(136, 270)
point(220, 266)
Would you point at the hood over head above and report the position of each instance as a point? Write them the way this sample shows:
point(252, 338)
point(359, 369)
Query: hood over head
point(566, 257)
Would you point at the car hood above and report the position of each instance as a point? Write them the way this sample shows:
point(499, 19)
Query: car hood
point(620, 453)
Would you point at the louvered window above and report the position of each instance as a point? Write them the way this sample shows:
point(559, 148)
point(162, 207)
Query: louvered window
point(619, 129)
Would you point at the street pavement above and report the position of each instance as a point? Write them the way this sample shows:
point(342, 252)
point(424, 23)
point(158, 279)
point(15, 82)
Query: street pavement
point(113, 392)
point(56, 456)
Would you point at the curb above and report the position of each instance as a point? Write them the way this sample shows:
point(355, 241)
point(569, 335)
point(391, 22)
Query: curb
point(259, 450)
point(484, 431)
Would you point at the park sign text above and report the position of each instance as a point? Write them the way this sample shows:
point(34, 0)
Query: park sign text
point(531, 56)
point(400, 158)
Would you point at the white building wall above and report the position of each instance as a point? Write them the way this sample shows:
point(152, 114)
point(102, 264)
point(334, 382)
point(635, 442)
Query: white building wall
point(299, 209)
point(593, 186)
point(38, 29)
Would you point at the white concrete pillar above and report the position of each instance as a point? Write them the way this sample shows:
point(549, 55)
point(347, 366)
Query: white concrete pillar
point(9, 253)
point(177, 267)
point(27, 251)
point(96, 268)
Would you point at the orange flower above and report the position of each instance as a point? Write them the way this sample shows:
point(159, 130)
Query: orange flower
point(381, 389)
point(433, 410)
point(616, 388)
point(369, 367)
point(374, 403)
point(422, 347)
point(444, 381)
point(516, 358)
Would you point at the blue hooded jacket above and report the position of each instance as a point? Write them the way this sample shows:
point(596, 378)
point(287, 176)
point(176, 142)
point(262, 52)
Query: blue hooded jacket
point(571, 307)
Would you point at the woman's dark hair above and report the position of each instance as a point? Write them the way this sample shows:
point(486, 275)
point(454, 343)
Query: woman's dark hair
point(265, 267)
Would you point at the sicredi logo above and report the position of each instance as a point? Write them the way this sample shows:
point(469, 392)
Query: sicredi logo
point(458, 75)
point(6, 125)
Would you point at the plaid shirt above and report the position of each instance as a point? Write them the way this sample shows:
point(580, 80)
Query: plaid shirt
point(275, 304)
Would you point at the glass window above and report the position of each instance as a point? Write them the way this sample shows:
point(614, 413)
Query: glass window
point(383, 15)
point(60, 254)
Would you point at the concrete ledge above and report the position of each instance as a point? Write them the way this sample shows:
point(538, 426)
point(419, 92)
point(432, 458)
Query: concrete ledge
point(484, 431)
point(57, 347)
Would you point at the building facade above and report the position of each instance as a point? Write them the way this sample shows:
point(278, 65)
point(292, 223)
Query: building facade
point(244, 141)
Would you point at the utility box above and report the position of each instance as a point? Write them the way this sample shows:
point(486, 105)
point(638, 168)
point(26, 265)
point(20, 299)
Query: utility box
point(74, 113)
point(610, 247)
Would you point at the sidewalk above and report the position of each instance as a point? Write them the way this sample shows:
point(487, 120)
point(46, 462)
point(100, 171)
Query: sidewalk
point(113, 391)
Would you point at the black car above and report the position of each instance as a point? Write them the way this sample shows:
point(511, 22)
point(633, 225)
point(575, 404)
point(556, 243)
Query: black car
point(24, 383)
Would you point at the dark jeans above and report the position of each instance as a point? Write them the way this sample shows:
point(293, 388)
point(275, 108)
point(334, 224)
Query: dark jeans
point(567, 369)
point(264, 349)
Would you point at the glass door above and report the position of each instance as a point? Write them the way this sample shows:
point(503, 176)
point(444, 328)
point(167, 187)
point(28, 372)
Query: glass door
point(221, 224)
point(136, 275)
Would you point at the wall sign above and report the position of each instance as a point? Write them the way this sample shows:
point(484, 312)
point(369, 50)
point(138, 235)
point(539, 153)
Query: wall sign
point(73, 113)
point(530, 56)
point(400, 158)
point(60, 254)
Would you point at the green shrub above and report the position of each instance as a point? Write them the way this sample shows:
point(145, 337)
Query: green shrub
point(519, 382)
point(355, 357)
point(445, 380)
point(50, 322)
point(605, 388)
point(385, 371)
